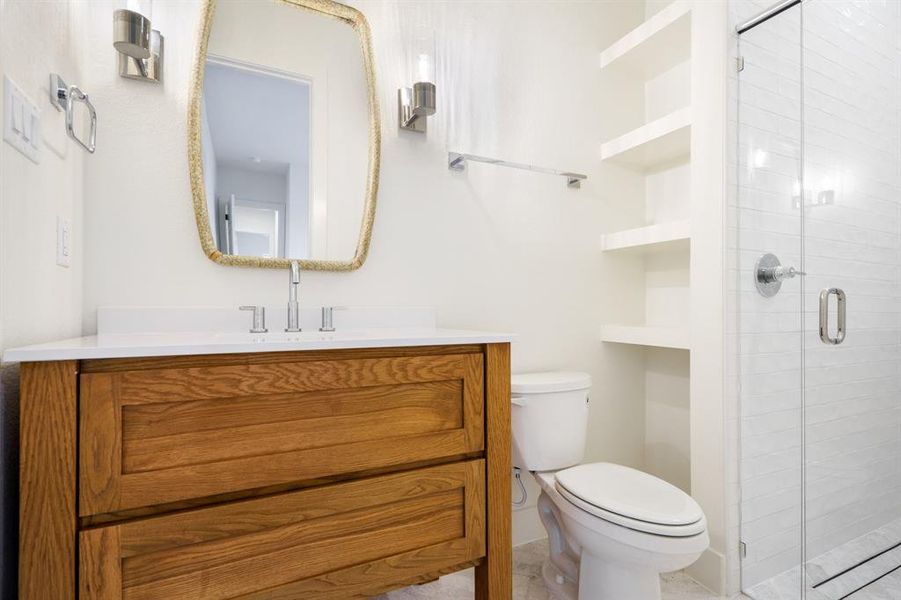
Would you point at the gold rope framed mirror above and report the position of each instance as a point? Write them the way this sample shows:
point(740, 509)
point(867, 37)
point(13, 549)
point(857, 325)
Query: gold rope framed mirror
point(283, 134)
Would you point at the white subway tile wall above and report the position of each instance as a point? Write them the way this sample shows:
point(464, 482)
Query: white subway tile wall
point(852, 150)
point(846, 128)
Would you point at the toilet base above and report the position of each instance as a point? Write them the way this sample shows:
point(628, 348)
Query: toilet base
point(592, 559)
point(559, 587)
point(605, 580)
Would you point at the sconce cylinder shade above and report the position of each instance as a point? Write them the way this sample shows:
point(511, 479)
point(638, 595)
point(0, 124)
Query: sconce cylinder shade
point(424, 98)
point(131, 33)
point(414, 105)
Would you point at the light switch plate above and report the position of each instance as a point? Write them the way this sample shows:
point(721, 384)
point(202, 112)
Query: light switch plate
point(21, 121)
point(63, 242)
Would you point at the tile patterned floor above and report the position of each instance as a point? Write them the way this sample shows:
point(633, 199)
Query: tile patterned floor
point(887, 588)
point(528, 584)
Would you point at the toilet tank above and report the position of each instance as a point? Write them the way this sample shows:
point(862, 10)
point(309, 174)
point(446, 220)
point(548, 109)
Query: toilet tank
point(549, 419)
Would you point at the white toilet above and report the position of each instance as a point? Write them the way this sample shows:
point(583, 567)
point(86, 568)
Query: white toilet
point(612, 529)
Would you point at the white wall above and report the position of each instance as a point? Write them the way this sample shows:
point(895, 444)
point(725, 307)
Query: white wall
point(299, 235)
point(667, 432)
point(490, 248)
point(710, 460)
point(39, 300)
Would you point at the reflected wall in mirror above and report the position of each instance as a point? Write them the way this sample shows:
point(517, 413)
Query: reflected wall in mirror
point(284, 134)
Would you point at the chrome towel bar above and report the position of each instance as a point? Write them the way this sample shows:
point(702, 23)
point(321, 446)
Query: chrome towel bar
point(456, 161)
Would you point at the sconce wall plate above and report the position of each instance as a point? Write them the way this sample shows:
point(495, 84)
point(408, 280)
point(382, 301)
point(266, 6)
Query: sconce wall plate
point(414, 105)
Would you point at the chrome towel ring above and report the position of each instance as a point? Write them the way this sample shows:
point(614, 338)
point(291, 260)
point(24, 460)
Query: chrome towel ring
point(64, 97)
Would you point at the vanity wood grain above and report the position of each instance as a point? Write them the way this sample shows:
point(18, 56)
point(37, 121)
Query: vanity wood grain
point(321, 474)
point(48, 410)
point(247, 548)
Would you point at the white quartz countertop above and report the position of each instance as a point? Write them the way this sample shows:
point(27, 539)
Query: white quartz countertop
point(131, 345)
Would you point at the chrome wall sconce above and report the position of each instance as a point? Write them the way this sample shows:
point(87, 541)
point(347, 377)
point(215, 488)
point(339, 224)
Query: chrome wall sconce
point(415, 104)
point(140, 47)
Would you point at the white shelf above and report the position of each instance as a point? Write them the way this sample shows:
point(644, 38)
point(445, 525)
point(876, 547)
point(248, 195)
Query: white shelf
point(640, 335)
point(656, 45)
point(652, 237)
point(658, 142)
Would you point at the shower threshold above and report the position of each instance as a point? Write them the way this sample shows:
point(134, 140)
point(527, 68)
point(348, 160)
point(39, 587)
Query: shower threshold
point(866, 568)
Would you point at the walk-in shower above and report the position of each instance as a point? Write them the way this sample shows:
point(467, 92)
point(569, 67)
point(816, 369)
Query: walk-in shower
point(816, 253)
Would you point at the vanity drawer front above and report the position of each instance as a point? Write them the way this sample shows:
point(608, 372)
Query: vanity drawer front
point(337, 541)
point(157, 436)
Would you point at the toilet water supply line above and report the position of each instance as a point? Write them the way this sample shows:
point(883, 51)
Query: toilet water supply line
point(522, 488)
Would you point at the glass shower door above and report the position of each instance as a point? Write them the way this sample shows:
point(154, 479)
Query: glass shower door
point(852, 246)
point(818, 189)
point(768, 223)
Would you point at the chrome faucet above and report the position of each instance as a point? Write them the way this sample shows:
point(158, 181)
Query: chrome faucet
point(293, 308)
point(259, 318)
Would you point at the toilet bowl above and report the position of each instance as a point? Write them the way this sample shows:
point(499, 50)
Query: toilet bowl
point(612, 529)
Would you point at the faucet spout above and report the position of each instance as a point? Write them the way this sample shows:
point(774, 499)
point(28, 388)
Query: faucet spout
point(293, 307)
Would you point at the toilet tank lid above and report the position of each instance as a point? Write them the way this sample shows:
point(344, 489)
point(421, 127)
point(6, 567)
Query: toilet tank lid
point(549, 381)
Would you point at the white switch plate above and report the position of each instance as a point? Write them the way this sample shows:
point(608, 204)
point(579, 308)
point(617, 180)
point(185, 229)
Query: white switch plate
point(21, 121)
point(63, 242)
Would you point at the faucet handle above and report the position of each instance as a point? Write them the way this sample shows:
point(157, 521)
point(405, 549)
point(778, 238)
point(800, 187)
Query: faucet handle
point(327, 314)
point(259, 318)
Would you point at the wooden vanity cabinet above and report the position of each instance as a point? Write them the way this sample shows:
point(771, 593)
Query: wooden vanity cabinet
point(314, 474)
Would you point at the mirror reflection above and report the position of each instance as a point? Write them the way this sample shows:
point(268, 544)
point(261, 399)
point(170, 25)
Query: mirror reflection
point(284, 132)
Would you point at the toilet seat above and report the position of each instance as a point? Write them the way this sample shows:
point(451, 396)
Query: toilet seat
point(631, 498)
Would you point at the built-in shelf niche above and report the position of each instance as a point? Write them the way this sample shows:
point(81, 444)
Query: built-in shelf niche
point(655, 46)
point(651, 238)
point(652, 61)
point(655, 144)
point(645, 335)
point(647, 141)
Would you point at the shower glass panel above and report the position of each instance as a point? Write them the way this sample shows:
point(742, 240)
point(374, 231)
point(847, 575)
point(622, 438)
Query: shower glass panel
point(852, 239)
point(771, 342)
point(818, 182)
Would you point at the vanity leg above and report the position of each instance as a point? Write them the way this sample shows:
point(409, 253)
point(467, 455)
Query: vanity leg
point(47, 519)
point(494, 576)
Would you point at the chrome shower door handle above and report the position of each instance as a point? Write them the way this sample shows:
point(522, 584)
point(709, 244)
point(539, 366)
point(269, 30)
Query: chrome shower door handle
point(841, 309)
